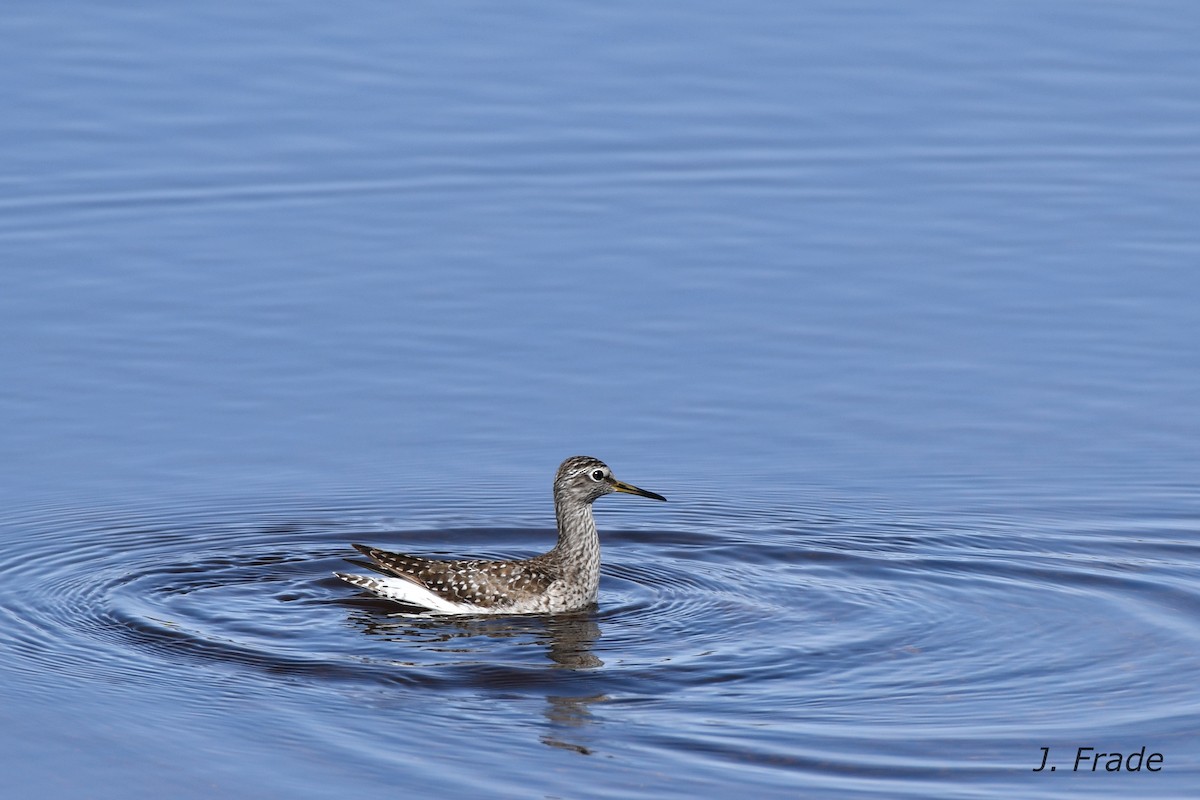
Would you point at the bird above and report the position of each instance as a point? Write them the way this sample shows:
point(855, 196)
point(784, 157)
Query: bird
point(564, 579)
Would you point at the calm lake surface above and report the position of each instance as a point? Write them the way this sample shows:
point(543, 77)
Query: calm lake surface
point(898, 305)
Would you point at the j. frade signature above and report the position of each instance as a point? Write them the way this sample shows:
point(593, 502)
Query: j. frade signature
point(1088, 760)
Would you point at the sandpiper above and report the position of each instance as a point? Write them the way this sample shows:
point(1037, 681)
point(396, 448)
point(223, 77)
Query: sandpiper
point(567, 578)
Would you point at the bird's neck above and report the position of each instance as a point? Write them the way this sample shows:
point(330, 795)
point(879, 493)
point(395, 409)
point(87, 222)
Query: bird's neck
point(578, 547)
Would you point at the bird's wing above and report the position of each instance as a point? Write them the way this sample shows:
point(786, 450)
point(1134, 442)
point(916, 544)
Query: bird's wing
point(475, 582)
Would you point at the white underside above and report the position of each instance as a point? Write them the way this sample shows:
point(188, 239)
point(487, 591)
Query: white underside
point(405, 591)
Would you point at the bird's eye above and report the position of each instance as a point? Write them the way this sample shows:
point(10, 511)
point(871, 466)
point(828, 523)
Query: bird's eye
point(597, 474)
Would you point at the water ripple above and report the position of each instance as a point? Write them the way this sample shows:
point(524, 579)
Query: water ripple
point(893, 629)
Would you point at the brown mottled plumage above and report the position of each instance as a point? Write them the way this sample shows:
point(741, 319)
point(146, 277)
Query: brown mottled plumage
point(567, 578)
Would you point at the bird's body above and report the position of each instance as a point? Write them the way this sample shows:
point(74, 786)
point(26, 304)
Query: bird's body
point(567, 578)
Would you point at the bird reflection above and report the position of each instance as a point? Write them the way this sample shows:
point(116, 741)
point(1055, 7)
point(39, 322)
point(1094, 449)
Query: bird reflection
point(567, 640)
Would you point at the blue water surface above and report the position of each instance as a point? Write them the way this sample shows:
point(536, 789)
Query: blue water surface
point(897, 304)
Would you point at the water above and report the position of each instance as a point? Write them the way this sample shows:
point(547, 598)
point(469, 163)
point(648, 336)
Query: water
point(897, 306)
